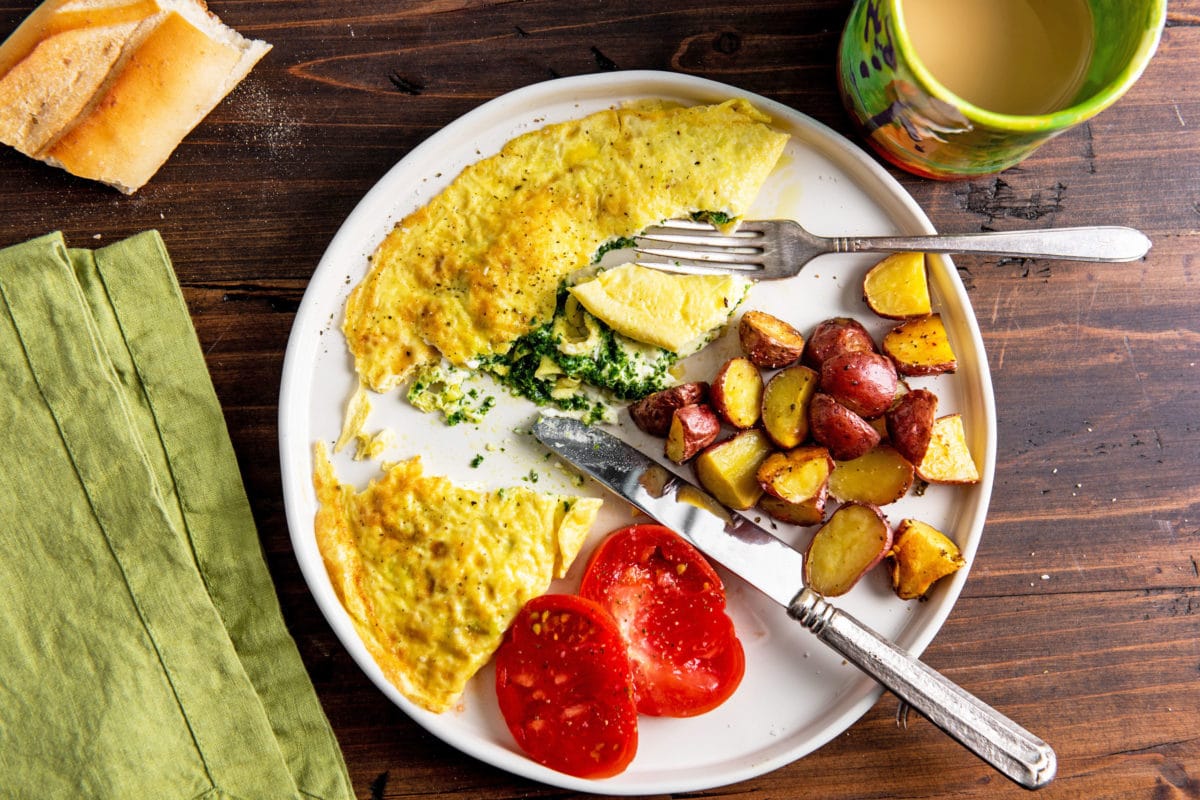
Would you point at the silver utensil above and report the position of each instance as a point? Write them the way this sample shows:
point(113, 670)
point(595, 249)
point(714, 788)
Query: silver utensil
point(769, 249)
point(776, 569)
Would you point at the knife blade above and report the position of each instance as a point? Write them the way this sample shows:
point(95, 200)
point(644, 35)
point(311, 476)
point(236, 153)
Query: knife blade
point(776, 569)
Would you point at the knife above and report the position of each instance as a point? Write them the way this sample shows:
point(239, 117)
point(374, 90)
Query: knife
point(776, 568)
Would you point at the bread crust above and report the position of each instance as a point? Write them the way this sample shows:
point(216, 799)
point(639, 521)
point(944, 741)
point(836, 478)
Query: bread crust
point(108, 90)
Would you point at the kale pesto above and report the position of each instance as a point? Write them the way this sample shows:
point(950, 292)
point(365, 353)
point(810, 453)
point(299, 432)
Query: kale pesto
point(620, 243)
point(715, 218)
point(441, 388)
point(554, 363)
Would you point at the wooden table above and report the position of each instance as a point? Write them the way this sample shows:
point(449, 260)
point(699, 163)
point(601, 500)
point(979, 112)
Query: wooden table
point(1081, 617)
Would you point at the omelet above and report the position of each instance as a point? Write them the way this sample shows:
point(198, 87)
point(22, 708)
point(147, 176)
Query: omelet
point(674, 312)
point(432, 573)
point(480, 265)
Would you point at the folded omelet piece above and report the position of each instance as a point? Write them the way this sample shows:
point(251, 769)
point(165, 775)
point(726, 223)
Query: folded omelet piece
point(671, 311)
point(432, 573)
point(480, 265)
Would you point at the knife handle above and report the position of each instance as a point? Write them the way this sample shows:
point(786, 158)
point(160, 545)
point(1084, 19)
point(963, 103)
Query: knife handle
point(995, 738)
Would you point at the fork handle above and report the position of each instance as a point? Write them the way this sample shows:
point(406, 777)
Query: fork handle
point(1096, 243)
point(1004, 744)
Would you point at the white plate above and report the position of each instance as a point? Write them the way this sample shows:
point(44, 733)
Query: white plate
point(797, 694)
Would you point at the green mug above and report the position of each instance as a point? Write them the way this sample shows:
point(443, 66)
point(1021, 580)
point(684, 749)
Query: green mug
point(913, 120)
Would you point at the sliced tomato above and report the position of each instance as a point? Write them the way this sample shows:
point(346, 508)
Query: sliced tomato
point(669, 605)
point(565, 688)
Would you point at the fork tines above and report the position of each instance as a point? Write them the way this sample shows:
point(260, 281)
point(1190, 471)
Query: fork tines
point(701, 248)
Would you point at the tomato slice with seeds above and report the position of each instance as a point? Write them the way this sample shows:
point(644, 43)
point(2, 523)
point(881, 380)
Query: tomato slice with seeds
point(669, 604)
point(565, 689)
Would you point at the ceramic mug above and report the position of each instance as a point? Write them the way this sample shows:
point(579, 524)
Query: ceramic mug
point(916, 123)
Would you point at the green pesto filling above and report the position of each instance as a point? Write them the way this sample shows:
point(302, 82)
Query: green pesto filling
point(443, 388)
point(553, 364)
point(716, 218)
point(620, 243)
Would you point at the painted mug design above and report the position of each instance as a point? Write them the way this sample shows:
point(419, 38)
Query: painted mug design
point(919, 126)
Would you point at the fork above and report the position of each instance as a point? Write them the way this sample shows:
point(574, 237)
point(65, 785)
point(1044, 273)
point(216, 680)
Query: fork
point(771, 249)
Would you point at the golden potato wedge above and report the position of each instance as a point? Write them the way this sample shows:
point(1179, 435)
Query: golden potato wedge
point(810, 512)
point(846, 434)
point(920, 347)
point(863, 382)
point(768, 341)
point(834, 336)
point(737, 392)
point(797, 475)
point(653, 412)
point(855, 538)
point(948, 459)
point(897, 287)
point(879, 476)
point(920, 556)
point(728, 470)
point(785, 405)
point(693, 428)
point(910, 423)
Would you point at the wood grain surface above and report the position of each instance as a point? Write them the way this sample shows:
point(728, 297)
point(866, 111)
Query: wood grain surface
point(1081, 617)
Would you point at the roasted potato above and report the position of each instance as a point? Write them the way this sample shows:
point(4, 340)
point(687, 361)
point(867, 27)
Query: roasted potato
point(693, 428)
point(737, 392)
point(854, 539)
point(810, 512)
point(863, 382)
point(834, 336)
point(653, 412)
point(797, 475)
point(785, 405)
point(879, 476)
point(910, 423)
point(768, 341)
point(920, 347)
point(880, 426)
point(897, 288)
point(948, 459)
point(844, 433)
point(728, 470)
point(921, 555)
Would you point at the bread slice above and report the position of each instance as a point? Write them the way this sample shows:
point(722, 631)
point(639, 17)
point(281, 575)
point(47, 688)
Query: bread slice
point(54, 17)
point(106, 89)
point(39, 103)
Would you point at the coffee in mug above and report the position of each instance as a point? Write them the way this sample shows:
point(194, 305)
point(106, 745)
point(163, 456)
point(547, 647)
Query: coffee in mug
point(960, 88)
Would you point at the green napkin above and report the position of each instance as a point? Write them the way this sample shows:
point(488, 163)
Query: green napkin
point(142, 649)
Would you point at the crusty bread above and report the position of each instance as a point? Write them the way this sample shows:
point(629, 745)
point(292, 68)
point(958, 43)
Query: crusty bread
point(106, 89)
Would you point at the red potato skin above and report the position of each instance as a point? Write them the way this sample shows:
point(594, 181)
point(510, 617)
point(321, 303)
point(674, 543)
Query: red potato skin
point(653, 412)
point(810, 512)
point(768, 341)
point(693, 428)
point(846, 434)
point(863, 382)
point(910, 423)
point(835, 336)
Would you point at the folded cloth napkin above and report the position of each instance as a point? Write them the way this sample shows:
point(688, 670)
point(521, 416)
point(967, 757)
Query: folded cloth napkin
point(142, 649)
